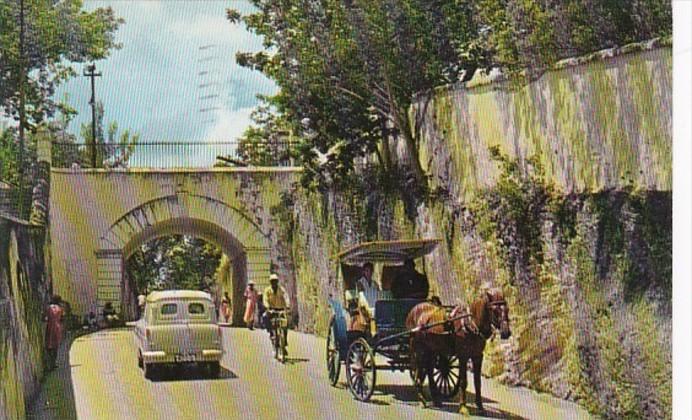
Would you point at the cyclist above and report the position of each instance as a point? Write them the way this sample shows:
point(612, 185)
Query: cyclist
point(274, 299)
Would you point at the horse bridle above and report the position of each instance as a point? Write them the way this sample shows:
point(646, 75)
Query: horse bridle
point(492, 305)
point(471, 326)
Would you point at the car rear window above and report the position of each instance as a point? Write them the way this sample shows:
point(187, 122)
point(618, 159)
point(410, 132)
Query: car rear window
point(169, 309)
point(195, 308)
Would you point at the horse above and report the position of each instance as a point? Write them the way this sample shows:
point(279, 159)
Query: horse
point(464, 335)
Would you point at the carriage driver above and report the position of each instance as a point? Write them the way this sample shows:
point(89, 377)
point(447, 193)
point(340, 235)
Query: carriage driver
point(368, 294)
point(366, 285)
point(274, 298)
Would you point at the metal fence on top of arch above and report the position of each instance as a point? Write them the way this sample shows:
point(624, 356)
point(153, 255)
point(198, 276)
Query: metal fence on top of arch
point(174, 154)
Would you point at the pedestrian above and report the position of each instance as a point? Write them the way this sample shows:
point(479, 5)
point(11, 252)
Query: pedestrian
point(226, 307)
point(110, 317)
point(141, 301)
point(54, 329)
point(251, 298)
point(260, 310)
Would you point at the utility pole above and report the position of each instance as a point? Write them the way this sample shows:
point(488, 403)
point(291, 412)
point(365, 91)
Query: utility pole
point(91, 72)
point(22, 111)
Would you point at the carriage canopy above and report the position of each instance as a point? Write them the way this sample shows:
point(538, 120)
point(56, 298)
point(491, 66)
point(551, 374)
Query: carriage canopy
point(393, 252)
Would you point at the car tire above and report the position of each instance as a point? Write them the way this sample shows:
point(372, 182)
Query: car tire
point(214, 369)
point(151, 371)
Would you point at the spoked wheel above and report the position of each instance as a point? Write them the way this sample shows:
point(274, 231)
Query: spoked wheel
point(333, 358)
point(279, 345)
point(282, 346)
point(446, 375)
point(360, 370)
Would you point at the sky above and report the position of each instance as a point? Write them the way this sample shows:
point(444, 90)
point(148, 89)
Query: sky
point(174, 53)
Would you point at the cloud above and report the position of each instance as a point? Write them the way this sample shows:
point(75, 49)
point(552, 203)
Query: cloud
point(152, 85)
point(229, 125)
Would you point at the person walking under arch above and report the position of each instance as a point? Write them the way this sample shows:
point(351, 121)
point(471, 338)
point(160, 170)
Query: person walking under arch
point(251, 297)
point(54, 330)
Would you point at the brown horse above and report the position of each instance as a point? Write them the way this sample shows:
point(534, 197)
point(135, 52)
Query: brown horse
point(465, 335)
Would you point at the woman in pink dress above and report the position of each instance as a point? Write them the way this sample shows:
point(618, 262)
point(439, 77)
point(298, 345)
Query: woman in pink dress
point(251, 298)
point(54, 330)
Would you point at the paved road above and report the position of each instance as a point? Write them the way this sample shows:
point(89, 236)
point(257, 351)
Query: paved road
point(107, 384)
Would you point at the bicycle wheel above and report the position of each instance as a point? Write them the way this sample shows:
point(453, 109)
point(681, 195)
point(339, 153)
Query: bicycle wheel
point(282, 346)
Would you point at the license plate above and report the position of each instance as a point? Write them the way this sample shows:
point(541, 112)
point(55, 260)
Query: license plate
point(182, 358)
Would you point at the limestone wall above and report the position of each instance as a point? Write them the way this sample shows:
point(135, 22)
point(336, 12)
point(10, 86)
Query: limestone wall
point(595, 123)
point(23, 291)
point(583, 250)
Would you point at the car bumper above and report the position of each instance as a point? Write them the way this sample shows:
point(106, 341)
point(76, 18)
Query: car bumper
point(209, 355)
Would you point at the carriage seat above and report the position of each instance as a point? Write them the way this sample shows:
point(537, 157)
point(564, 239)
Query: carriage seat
point(391, 314)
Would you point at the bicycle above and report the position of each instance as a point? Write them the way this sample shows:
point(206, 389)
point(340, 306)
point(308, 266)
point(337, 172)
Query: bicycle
point(279, 328)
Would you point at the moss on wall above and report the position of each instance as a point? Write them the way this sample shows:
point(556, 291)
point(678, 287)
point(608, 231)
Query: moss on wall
point(601, 124)
point(23, 292)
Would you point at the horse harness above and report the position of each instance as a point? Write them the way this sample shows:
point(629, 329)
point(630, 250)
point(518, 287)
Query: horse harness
point(470, 325)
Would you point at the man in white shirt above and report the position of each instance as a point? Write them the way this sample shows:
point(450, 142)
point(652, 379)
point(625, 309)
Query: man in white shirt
point(367, 287)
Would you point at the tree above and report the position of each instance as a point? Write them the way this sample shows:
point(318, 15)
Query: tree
point(268, 141)
point(113, 149)
point(348, 70)
point(55, 34)
point(174, 262)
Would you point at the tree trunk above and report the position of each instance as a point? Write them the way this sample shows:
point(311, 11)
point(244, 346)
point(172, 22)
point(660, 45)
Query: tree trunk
point(403, 124)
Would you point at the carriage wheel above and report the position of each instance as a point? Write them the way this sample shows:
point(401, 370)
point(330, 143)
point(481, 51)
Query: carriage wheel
point(360, 370)
point(446, 375)
point(333, 358)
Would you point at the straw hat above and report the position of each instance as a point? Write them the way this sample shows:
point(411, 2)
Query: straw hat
point(273, 276)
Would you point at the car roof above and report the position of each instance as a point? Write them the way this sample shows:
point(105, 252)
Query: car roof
point(177, 294)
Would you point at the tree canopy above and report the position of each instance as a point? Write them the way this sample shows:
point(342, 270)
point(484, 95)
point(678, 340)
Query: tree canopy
point(36, 57)
point(174, 262)
point(348, 70)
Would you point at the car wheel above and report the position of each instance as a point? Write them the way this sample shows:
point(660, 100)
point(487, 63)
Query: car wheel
point(150, 370)
point(214, 369)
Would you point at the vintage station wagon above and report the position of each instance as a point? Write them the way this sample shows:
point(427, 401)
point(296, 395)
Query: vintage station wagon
point(178, 326)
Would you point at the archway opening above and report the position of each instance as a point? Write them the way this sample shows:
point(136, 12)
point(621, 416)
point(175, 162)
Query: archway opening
point(183, 253)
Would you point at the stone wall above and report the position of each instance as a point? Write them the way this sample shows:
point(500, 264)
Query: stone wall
point(580, 238)
point(23, 292)
point(595, 123)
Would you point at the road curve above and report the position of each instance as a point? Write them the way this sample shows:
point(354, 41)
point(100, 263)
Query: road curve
point(107, 384)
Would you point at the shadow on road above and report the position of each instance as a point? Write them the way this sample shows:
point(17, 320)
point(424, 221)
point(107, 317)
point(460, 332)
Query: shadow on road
point(295, 360)
point(191, 373)
point(408, 395)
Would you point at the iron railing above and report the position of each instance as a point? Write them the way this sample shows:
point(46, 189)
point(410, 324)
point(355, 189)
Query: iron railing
point(174, 154)
point(10, 202)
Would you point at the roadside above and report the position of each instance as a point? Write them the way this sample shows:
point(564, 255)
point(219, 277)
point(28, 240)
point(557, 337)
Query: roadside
point(55, 400)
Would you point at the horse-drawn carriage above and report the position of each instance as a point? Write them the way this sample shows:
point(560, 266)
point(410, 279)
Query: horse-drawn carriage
point(365, 327)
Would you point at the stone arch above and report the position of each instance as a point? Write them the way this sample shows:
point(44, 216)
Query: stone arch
point(241, 239)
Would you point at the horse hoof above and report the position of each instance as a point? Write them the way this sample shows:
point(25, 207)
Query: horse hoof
point(480, 408)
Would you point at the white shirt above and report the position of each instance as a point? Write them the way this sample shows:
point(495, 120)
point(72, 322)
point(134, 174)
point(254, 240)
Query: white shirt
point(370, 291)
